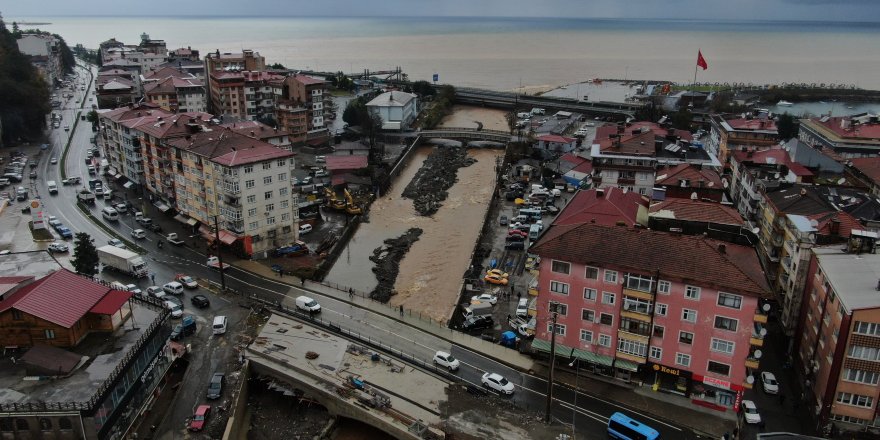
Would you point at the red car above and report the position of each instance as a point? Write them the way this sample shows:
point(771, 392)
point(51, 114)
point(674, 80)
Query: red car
point(200, 417)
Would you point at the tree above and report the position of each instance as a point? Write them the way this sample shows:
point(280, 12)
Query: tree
point(278, 66)
point(351, 114)
point(787, 126)
point(681, 119)
point(85, 256)
point(24, 95)
point(423, 88)
point(92, 117)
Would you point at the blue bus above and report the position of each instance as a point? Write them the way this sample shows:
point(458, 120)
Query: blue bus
point(622, 427)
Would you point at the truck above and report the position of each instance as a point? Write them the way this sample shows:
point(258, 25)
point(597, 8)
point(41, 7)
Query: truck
point(214, 263)
point(86, 197)
point(523, 327)
point(473, 310)
point(122, 260)
point(538, 111)
point(172, 238)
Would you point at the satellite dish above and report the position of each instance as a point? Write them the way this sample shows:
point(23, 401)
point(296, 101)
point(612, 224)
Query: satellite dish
point(750, 379)
point(757, 354)
point(841, 181)
point(756, 230)
point(694, 196)
point(766, 306)
point(776, 175)
point(763, 332)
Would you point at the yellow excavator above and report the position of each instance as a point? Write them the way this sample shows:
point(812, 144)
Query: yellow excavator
point(350, 206)
point(332, 201)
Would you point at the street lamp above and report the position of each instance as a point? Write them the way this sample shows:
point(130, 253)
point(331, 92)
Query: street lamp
point(553, 316)
point(577, 376)
point(219, 254)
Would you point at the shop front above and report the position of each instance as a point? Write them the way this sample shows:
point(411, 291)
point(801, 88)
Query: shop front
point(715, 393)
point(670, 380)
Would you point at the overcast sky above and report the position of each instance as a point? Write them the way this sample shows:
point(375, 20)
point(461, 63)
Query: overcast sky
point(837, 10)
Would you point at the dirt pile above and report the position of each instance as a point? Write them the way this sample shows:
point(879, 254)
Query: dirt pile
point(438, 173)
point(278, 413)
point(387, 260)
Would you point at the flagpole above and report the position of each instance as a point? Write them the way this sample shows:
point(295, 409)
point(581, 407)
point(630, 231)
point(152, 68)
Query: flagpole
point(697, 65)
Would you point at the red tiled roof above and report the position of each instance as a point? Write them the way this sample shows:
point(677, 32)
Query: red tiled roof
point(771, 156)
point(603, 133)
point(61, 297)
point(556, 138)
point(697, 211)
point(111, 302)
point(228, 148)
point(869, 166)
point(611, 207)
point(853, 131)
point(685, 171)
point(586, 167)
point(255, 129)
point(825, 220)
point(752, 124)
point(307, 80)
point(693, 259)
point(346, 162)
point(172, 125)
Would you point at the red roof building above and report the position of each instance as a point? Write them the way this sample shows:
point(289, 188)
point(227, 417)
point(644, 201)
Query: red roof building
point(345, 164)
point(849, 136)
point(696, 211)
point(60, 310)
point(759, 133)
point(611, 206)
point(684, 180)
point(867, 170)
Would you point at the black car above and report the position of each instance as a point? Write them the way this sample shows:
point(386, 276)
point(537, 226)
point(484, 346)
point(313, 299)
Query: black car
point(155, 227)
point(515, 245)
point(215, 386)
point(478, 323)
point(200, 301)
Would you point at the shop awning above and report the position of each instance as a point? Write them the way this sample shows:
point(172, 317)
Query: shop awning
point(181, 218)
point(128, 184)
point(624, 364)
point(227, 237)
point(120, 178)
point(161, 206)
point(207, 233)
point(591, 357)
point(542, 345)
point(111, 171)
point(192, 222)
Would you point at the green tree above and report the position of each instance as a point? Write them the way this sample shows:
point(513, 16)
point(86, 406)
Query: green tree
point(85, 256)
point(423, 88)
point(787, 126)
point(92, 117)
point(24, 95)
point(278, 66)
point(352, 112)
point(682, 119)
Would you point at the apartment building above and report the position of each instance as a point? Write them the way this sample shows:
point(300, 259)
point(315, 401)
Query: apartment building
point(300, 109)
point(120, 142)
point(44, 52)
point(177, 95)
point(261, 131)
point(246, 181)
point(838, 344)
point(685, 313)
point(397, 109)
point(847, 136)
point(686, 181)
point(243, 94)
point(751, 171)
point(754, 132)
point(221, 87)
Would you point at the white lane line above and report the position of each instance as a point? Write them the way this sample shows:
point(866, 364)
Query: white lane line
point(584, 412)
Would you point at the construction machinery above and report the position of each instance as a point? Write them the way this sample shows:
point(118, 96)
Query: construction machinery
point(332, 201)
point(350, 206)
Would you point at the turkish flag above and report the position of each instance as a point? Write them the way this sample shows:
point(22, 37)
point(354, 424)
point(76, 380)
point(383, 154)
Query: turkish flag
point(701, 61)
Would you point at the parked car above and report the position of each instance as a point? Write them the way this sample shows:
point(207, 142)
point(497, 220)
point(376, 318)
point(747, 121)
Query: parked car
point(200, 301)
point(138, 233)
point(215, 386)
point(305, 229)
point(445, 359)
point(53, 160)
point(176, 309)
point(515, 245)
point(155, 227)
point(750, 411)
point(121, 207)
point(769, 383)
point(64, 232)
point(502, 220)
point(478, 323)
point(485, 297)
point(134, 289)
point(187, 281)
point(495, 279)
point(58, 247)
point(200, 418)
point(155, 292)
point(173, 288)
point(497, 382)
point(116, 242)
point(186, 327)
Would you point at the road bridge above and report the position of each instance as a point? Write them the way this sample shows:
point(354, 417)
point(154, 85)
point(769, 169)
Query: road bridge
point(510, 101)
point(470, 134)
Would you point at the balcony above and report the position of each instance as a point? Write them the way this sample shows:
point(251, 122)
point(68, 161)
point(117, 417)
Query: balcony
point(760, 316)
point(758, 334)
point(631, 357)
point(647, 296)
point(752, 363)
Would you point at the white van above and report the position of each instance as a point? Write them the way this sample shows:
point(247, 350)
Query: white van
point(522, 308)
point(108, 195)
point(110, 214)
point(307, 304)
point(53, 187)
point(219, 325)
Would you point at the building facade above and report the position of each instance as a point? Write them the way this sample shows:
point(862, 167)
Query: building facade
point(397, 109)
point(301, 109)
point(45, 54)
point(225, 92)
point(728, 135)
point(847, 136)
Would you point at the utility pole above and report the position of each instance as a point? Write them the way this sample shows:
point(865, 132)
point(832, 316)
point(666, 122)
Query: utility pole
point(553, 316)
point(219, 254)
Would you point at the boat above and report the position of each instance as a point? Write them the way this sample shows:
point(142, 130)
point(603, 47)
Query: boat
point(784, 104)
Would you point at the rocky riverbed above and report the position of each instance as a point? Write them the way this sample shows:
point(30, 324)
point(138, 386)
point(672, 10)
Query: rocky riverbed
point(428, 188)
point(387, 262)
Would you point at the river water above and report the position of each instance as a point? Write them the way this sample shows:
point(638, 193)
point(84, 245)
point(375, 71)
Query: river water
point(431, 273)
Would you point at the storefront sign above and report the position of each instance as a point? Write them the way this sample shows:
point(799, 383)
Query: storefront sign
point(667, 370)
point(149, 369)
point(717, 383)
point(738, 401)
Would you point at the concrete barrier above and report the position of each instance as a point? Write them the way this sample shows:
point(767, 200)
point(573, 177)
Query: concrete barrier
point(239, 420)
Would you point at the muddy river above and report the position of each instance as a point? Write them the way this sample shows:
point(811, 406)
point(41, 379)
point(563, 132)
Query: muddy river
point(431, 273)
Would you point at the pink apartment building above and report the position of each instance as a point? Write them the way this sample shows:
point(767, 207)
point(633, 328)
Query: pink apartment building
point(677, 312)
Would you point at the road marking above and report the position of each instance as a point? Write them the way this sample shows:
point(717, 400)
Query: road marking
point(585, 412)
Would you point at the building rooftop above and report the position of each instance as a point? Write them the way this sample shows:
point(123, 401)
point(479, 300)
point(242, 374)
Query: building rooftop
point(773, 156)
point(853, 276)
point(556, 138)
point(254, 129)
point(307, 80)
point(754, 124)
point(722, 265)
point(392, 99)
point(810, 200)
point(608, 206)
point(696, 211)
point(169, 125)
point(696, 177)
point(860, 127)
point(349, 162)
point(226, 147)
point(869, 166)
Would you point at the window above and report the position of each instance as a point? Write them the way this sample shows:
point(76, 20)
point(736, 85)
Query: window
point(267, 165)
point(855, 400)
point(557, 287)
point(282, 177)
point(718, 368)
point(253, 225)
point(663, 287)
point(861, 376)
point(634, 348)
point(722, 346)
point(683, 359)
point(560, 267)
point(590, 294)
point(22, 425)
point(604, 340)
point(610, 276)
point(637, 305)
point(661, 309)
point(270, 220)
point(281, 162)
point(691, 292)
point(587, 336)
point(588, 315)
point(729, 300)
point(686, 337)
point(592, 273)
point(636, 326)
point(16, 315)
point(267, 180)
point(689, 315)
point(606, 319)
point(607, 298)
point(64, 424)
point(50, 334)
point(658, 331)
point(267, 195)
point(560, 328)
point(285, 203)
point(285, 217)
point(724, 323)
point(249, 184)
point(562, 309)
point(251, 198)
point(270, 207)
point(248, 169)
point(867, 353)
point(656, 353)
point(638, 282)
point(45, 424)
point(867, 328)
point(252, 212)
point(282, 192)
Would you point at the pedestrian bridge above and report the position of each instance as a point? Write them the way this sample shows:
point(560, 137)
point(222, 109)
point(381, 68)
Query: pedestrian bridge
point(470, 134)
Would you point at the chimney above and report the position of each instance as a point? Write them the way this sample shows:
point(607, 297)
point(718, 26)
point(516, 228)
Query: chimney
point(599, 192)
point(722, 249)
point(835, 226)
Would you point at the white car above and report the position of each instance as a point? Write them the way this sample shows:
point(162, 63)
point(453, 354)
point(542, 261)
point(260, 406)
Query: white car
point(58, 247)
point(750, 412)
point(305, 229)
point(445, 359)
point(120, 208)
point(497, 382)
point(176, 310)
point(134, 289)
point(138, 233)
point(116, 242)
point(485, 297)
point(155, 292)
point(173, 288)
point(53, 160)
point(769, 383)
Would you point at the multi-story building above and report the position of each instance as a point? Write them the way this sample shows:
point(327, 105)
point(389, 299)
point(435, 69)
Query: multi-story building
point(627, 155)
point(838, 343)
point(611, 206)
point(866, 171)
point(752, 171)
point(261, 131)
point(246, 181)
point(45, 53)
point(397, 109)
point(847, 136)
point(215, 63)
point(682, 312)
point(119, 141)
point(300, 109)
point(149, 53)
point(243, 94)
point(175, 90)
point(686, 181)
point(727, 135)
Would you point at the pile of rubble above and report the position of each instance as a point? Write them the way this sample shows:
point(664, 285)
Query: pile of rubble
point(387, 259)
point(438, 173)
